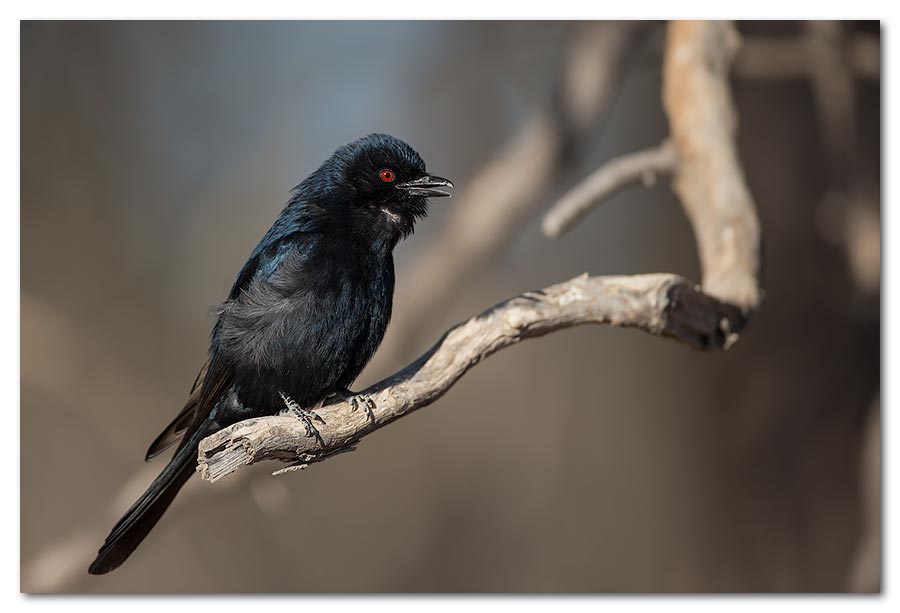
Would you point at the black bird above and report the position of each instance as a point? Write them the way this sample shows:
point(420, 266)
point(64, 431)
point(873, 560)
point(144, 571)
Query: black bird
point(304, 316)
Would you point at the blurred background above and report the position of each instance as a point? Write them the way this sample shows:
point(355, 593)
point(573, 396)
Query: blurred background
point(155, 155)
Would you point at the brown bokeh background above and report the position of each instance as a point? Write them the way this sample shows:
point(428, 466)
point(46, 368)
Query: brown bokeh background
point(155, 155)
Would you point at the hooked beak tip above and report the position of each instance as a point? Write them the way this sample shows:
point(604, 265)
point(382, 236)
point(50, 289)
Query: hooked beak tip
point(427, 186)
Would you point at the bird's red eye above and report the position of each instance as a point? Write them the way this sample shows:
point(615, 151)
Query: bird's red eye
point(387, 175)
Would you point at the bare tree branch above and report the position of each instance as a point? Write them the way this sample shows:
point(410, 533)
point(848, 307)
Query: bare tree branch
point(709, 180)
point(504, 193)
point(702, 156)
point(643, 166)
point(661, 304)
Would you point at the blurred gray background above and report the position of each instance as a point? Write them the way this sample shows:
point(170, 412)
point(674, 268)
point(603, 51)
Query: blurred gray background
point(154, 157)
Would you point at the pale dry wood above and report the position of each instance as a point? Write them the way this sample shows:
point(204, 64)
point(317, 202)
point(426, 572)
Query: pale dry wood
point(661, 304)
point(701, 154)
point(710, 180)
point(639, 167)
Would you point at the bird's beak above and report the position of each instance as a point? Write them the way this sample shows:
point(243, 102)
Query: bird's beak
point(426, 186)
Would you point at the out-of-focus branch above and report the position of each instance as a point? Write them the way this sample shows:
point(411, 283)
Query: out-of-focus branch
point(848, 210)
point(63, 563)
point(709, 180)
point(835, 97)
point(661, 304)
point(642, 166)
point(865, 571)
point(593, 71)
point(780, 58)
point(701, 155)
point(57, 343)
point(500, 197)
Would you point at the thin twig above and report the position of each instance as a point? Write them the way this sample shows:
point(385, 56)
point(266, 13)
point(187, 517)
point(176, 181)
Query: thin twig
point(642, 166)
point(499, 199)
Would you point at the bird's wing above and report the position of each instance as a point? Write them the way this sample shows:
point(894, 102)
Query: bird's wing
point(176, 429)
point(215, 377)
point(296, 223)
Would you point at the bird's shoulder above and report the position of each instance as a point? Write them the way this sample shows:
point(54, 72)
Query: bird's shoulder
point(296, 234)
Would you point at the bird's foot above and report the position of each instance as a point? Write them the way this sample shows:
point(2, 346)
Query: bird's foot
point(357, 401)
point(367, 404)
point(305, 416)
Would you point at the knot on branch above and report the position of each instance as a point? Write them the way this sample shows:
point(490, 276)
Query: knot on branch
point(701, 320)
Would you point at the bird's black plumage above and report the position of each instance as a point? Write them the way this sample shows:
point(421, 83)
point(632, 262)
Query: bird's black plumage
point(305, 314)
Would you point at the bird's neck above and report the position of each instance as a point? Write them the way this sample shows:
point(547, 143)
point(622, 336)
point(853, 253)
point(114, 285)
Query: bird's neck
point(379, 230)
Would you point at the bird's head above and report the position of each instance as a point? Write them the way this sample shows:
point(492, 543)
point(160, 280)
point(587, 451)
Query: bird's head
point(385, 180)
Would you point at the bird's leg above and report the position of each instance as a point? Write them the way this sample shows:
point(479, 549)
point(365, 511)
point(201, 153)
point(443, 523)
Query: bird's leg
point(303, 415)
point(358, 400)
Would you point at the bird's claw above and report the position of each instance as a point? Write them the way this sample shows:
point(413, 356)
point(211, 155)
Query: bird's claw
point(364, 401)
point(305, 416)
point(357, 401)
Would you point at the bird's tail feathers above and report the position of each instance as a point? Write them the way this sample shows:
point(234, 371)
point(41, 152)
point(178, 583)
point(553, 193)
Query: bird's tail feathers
point(137, 522)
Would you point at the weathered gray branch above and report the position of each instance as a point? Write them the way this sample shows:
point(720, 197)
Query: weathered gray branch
point(661, 304)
